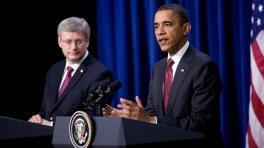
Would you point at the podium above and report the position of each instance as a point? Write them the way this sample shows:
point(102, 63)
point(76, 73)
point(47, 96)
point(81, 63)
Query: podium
point(109, 132)
point(14, 132)
point(117, 132)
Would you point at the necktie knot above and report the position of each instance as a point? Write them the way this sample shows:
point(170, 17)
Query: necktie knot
point(69, 69)
point(170, 63)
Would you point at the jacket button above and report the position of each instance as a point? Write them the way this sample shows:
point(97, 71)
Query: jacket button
point(51, 118)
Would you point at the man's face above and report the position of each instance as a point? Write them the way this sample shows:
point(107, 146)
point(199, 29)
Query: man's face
point(170, 34)
point(73, 45)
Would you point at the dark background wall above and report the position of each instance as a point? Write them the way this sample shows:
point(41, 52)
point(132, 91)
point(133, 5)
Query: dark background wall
point(29, 47)
point(127, 44)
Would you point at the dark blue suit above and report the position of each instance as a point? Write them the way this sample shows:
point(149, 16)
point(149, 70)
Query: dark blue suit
point(194, 97)
point(90, 74)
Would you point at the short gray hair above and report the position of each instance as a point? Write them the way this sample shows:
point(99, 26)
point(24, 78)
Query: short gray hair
point(74, 24)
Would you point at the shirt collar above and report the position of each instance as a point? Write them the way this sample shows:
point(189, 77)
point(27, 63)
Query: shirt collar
point(76, 65)
point(180, 53)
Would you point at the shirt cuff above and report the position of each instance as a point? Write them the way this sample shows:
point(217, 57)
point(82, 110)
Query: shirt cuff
point(155, 121)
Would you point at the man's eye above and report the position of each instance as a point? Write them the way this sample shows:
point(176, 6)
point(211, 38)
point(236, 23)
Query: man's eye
point(68, 41)
point(78, 41)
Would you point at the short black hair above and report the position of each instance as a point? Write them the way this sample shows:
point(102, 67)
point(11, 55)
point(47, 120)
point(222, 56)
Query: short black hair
point(180, 12)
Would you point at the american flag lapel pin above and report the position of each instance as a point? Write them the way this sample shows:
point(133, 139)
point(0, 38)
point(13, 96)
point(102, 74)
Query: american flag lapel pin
point(182, 70)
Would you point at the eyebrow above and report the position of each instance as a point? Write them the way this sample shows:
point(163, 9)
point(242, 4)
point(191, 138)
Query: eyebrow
point(164, 22)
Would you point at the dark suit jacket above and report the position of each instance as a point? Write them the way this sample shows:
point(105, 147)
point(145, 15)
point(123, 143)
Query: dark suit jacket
point(90, 74)
point(194, 97)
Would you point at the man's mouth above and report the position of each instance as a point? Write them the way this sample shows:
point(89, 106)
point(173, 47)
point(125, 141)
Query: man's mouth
point(163, 41)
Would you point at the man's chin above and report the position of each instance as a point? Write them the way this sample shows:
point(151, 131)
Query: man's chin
point(74, 59)
point(164, 49)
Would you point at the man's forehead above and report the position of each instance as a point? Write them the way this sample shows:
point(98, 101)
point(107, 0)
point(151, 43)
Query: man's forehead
point(72, 34)
point(164, 16)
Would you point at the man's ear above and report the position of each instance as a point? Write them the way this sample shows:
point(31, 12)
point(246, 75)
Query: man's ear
point(59, 41)
point(88, 42)
point(187, 28)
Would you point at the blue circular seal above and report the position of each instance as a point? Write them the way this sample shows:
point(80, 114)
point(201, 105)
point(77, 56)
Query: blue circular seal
point(80, 129)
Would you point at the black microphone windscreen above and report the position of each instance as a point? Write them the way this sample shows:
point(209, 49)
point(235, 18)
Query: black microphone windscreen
point(102, 87)
point(105, 84)
point(115, 86)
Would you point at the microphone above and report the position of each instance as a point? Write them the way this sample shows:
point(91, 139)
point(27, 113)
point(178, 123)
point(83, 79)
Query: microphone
point(94, 94)
point(111, 89)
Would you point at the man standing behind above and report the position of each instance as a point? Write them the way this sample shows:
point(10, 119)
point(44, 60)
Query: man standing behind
point(185, 87)
point(80, 70)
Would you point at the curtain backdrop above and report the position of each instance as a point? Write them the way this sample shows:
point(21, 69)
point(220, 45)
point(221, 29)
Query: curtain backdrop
point(127, 45)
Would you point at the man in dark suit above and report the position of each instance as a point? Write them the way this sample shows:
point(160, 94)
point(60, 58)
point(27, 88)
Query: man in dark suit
point(194, 94)
point(86, 75)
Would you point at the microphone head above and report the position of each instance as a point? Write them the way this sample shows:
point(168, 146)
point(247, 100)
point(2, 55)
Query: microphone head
point(114, 86)
point(103, 86)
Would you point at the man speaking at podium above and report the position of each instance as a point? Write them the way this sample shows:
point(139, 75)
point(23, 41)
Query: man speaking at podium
point(68, 82)
point(185, 87)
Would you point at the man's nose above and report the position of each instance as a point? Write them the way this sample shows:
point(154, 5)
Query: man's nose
point(160, 31)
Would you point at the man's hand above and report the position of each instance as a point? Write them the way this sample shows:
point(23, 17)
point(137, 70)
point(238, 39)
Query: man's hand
point(37, 119)
point(133, 111)
point(109, 111)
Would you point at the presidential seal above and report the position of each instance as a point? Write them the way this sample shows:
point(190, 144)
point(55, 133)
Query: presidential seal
point(80, 129)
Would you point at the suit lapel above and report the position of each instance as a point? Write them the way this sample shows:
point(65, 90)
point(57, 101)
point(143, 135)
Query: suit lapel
point(77, 75)
point(160, 78)
point(181, 71)
point(56, 78)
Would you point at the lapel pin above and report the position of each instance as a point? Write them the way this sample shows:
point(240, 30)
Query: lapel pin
point(182, 70)
point(81, 71)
